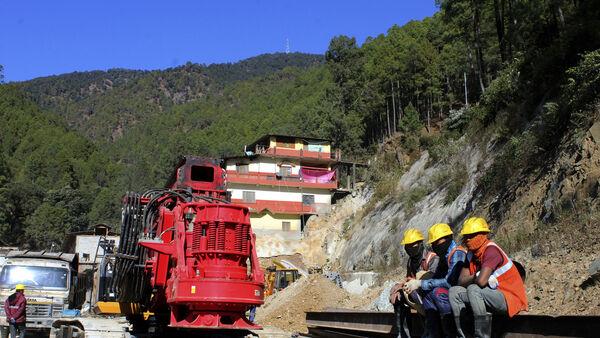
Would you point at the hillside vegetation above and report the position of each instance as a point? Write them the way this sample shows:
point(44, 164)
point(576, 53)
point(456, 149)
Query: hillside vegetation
point(101, 105)
point(522, 75)
point(52, 180)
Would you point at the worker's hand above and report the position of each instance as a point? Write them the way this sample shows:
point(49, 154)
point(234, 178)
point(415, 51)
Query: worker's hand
point(397, 287)
point(393, 297)
point(412, 285)
point(394, 292)
point(12, 321)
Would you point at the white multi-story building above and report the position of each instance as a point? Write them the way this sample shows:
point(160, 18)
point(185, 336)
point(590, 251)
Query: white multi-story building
point(283, 180)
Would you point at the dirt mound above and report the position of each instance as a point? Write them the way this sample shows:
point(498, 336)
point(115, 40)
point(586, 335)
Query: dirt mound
point(286, 309)
point(555, 286)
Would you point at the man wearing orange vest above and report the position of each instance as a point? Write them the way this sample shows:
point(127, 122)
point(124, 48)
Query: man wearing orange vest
point(419, 259)
point(489, 283)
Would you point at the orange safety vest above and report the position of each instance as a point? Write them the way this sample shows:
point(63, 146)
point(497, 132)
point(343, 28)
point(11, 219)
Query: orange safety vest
point(509, 282)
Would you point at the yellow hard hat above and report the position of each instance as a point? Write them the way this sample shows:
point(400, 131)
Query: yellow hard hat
point(20, 287)
point(438, 231)
point(411, 236)
point(474, 225)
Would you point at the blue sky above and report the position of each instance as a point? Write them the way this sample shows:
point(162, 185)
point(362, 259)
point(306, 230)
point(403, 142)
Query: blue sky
point(41, 37)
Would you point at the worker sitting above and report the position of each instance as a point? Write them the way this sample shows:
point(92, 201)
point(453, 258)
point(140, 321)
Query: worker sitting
point(490, 282)
point(419, 260)
point(435, 303)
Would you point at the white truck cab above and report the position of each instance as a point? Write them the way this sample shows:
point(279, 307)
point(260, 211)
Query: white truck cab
point(49, 279)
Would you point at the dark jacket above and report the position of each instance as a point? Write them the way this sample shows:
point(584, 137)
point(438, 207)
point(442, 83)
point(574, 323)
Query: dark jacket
point(14, 307)
point(429, 262)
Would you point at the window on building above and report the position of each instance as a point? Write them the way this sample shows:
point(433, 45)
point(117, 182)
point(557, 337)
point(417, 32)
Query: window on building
point(286, 226)
point(308, 199)
point(243, 168)
point(285, 170)
point(249, 196)
point(316, 146)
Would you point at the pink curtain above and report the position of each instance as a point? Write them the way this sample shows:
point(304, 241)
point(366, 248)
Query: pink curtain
point(317, 176)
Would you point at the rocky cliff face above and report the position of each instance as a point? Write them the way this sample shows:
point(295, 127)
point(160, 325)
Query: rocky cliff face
point(572, 178)
point(375, 240)
point(367, 238)
point(326, 235)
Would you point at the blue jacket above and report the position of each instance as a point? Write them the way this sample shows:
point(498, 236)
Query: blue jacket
point(457, 262)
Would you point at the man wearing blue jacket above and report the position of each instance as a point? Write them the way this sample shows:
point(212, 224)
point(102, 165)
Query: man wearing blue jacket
point(435, 302)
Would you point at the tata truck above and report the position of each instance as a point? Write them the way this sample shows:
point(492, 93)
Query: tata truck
point(49, 280)
point(54, 293)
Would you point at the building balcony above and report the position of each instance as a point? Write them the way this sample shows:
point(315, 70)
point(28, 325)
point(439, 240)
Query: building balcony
point(285, 207)
point(272, 179)
point(298, 153)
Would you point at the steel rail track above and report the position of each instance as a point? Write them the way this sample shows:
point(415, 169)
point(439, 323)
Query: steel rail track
point(349, 323)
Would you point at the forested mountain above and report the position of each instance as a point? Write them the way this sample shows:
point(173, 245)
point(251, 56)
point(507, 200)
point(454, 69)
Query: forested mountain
point(491, 66)
point(102, 104)
point(51, 179)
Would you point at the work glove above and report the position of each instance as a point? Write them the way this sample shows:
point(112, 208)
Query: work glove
point(412, 285)
point(493, 282)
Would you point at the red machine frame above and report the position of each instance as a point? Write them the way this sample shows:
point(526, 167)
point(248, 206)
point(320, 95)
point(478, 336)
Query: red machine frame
point(201, 260)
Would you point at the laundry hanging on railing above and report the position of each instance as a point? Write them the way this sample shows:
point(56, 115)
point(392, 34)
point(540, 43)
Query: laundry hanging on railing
point(317, 176)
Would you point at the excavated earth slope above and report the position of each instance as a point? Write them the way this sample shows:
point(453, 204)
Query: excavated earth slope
point(286, 309)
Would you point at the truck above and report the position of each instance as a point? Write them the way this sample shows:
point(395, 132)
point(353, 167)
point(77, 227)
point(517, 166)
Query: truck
point(55, 292)
point(50, 280)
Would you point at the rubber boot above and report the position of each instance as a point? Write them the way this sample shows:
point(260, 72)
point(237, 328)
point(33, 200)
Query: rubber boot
point(448, 326)
point(483, 326)
point(459, 328)
point(432, 324)
point(402, 311)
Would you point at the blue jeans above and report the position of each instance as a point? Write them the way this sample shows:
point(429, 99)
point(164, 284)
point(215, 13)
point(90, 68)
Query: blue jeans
point(437, 300)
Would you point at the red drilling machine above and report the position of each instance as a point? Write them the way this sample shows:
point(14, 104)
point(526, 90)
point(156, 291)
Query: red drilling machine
point(187, 255)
